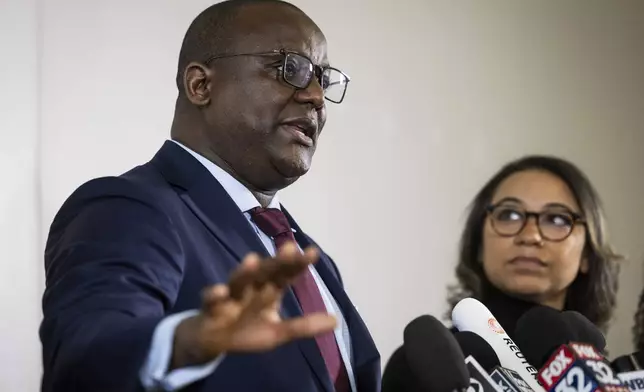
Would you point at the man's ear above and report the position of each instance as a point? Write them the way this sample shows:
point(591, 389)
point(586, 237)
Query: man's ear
point(197, 83)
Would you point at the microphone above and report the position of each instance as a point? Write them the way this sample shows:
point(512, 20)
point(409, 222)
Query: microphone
point(471, 315)
point(510, 380)
point(480, 359)
point(633, 380)
point(474, 345)
point(626, 363)
point(548, 340)
point(540, 331)
point(580, 366)
point(397, 375)
point(629, 368)
point(433, 358)
point(629, 363)
point(480, 380)
point(584, 330)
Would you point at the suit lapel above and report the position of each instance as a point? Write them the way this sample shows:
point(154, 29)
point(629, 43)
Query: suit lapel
point(208, 200)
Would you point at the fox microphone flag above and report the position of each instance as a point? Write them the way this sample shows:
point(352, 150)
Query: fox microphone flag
point(579, 367)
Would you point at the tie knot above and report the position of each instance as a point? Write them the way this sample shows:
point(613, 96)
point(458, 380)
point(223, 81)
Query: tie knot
point(271, 221)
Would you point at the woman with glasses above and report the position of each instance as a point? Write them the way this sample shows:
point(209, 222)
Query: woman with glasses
point(535, 234)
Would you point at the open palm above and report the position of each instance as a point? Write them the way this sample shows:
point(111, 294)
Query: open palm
point(243, 316)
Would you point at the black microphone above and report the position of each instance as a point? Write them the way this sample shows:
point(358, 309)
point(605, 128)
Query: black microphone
point(479, 358)
point(434, 356)
point(434, 360)
point(475, 346)
point(629, 370)
point(629, 363)
point(626, 363)
point(540, 331)
point(549, 341)
point(429, 360)
point(397, 375)
point(584, 330)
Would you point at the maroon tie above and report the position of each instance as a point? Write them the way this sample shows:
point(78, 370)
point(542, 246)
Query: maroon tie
point(273, 223)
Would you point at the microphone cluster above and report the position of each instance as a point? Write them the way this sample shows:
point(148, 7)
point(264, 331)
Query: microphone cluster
point(552, 351)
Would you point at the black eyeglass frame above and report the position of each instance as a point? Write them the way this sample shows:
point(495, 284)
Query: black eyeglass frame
point(318, 71)
point(576, 219)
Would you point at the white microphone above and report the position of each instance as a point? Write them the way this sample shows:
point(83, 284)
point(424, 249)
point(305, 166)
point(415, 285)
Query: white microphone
point(471, 315)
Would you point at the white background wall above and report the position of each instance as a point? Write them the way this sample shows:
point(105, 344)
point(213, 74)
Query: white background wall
point(20, 263)
point(442, 94)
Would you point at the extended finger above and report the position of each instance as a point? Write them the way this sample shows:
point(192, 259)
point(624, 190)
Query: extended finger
point(224, 313)
point(288, 262)
point(250, 263)
point(244, 276)
point(305, 327)
point(288, 251)
point(218, 305)
point(265, 301)
point(311, 254)
point(214, 295)
point(285, 271)
point(290, 254)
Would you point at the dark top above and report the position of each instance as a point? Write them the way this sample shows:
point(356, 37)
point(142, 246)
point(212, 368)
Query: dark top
point(506, 310)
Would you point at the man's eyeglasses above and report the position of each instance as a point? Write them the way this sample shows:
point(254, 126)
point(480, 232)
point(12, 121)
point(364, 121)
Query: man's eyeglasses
point(298, 71)
point(553, 224)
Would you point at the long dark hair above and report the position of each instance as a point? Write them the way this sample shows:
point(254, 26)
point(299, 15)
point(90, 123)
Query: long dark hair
point(638, 328)
point(592, 294)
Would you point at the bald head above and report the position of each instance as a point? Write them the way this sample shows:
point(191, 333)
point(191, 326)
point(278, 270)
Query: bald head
point(219, 29)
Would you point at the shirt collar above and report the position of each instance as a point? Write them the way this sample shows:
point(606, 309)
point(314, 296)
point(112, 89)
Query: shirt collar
point(242, 197)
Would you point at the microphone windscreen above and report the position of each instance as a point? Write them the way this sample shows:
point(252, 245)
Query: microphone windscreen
point(585, 331)
point(624, 364)
point(474, 345)
point(434, 356)
point(629, 363)
point(397, 376)
point(539, 332)
point(638, 357)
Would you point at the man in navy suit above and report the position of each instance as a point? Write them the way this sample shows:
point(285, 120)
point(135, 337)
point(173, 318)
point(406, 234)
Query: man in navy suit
point(185, 273)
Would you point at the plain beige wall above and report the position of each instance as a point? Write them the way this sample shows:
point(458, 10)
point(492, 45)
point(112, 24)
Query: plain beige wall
point(442, 94)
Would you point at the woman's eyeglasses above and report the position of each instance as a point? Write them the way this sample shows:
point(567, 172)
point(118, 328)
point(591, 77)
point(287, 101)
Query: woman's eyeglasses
point(553, 224)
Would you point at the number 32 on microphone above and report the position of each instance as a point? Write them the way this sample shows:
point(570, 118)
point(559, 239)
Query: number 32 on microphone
point(579, 368)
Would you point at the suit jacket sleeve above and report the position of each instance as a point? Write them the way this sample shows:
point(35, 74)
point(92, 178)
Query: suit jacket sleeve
point(114, 265)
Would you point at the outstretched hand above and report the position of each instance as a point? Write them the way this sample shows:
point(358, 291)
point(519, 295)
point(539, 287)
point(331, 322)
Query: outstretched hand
point(243, 315)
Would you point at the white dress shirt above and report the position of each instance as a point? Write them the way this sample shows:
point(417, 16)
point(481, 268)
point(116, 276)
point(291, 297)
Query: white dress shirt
point(155, 375)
